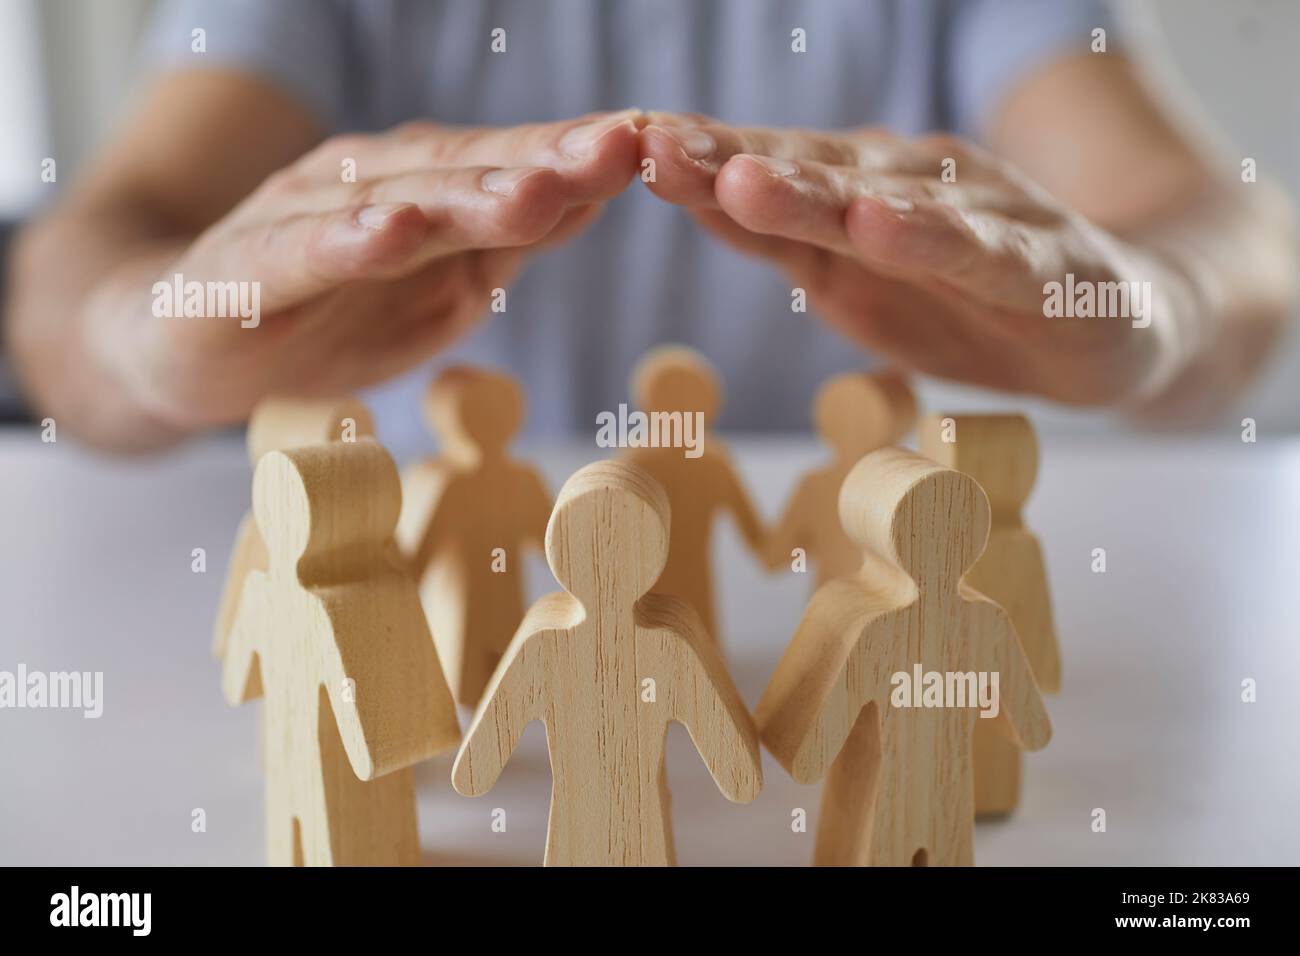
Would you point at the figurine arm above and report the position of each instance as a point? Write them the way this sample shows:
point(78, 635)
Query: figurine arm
point(741, 506)
point(836, 665)
point(701, 696)
point(539, 510)
point(514, 697)
point(247, 554)
point(790, 531)
point(240, 678)
point(1020, 705)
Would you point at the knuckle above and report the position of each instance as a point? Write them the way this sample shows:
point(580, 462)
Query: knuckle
point(284, 182)
point(343, 145)
point(415, 129)
point(947, 144)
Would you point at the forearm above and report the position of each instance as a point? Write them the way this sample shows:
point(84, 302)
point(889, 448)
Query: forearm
point(1231, 261)
point(76, 278)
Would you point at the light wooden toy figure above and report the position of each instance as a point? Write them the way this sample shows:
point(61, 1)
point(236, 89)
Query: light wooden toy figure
point(279, 423)
point(854, 413)
point(354, 693)
point(889, 669)
point(468, 516)
point(1001, 453)
point(677, 380)
point(606, 665)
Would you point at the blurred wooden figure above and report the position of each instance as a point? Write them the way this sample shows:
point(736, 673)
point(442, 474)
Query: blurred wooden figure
point(889, 669)
point(675, 380)
point(277, 424)
point(606, 665)
point(354, 693)
point(468, 516)
point(854, 413)
point(1001, 453)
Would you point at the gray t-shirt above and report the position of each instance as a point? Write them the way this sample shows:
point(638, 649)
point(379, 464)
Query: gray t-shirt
point(580, 316)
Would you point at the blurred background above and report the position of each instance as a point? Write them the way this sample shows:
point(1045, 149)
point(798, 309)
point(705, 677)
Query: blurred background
point(67, 72)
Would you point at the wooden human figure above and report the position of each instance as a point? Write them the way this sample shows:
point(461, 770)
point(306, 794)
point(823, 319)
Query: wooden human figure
point(898, 787)
point(354, 693)
point(854, 413)
point(469, 515)
point(279, 423)
point(606, 665)
point(671, 379)
point(1001, 453)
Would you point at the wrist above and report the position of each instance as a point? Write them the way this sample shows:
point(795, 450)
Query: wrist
point(126, 344)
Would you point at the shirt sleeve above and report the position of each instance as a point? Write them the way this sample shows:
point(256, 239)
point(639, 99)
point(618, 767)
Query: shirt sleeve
point(994, 43)
point(300, 45)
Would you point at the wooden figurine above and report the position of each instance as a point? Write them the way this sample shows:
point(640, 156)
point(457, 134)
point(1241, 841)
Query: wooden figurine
point(677, 380)
point(354, 693)
point(1001, 453)
point(469, 515)
point(279, 423)
point(606, 665)
point(854, 413)
point(889, 669)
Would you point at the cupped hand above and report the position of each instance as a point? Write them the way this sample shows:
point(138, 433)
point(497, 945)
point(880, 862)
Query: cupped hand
point(944, 277)
point(359, 281)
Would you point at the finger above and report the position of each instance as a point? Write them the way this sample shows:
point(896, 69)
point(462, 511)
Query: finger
point(596, 154)
point(394, 174)
point(930, 230)
point(803, 201)
point(688, 157)
point(576, 220)
point(794, 257)
point(982, 254)
point(310, 253)
point(660, 118)
point(780, 188)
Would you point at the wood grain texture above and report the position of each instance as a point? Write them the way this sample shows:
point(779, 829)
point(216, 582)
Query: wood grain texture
point(678, 379)
point(606, 666)
point(1001, 453)
point(468, 517)
point(279, 423)
point(898, 787)
point(354, 692)
point(855, 413)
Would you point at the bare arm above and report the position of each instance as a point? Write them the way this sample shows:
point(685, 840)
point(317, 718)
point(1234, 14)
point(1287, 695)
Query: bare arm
point(1093, 132)
point(215, 179)
point(194, 147)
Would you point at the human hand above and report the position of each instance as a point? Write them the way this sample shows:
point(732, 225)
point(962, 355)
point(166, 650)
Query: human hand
point(946, 278)
point(358, 281)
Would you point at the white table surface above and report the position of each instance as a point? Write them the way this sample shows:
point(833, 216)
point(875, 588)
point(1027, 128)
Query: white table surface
point(1202, 590)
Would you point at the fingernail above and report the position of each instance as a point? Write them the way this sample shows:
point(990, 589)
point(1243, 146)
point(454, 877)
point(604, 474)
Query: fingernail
point(695, 143)
point(897, 203)
point(504, 181)
point(578, 141)
point(374, 217)
point(774, 165)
